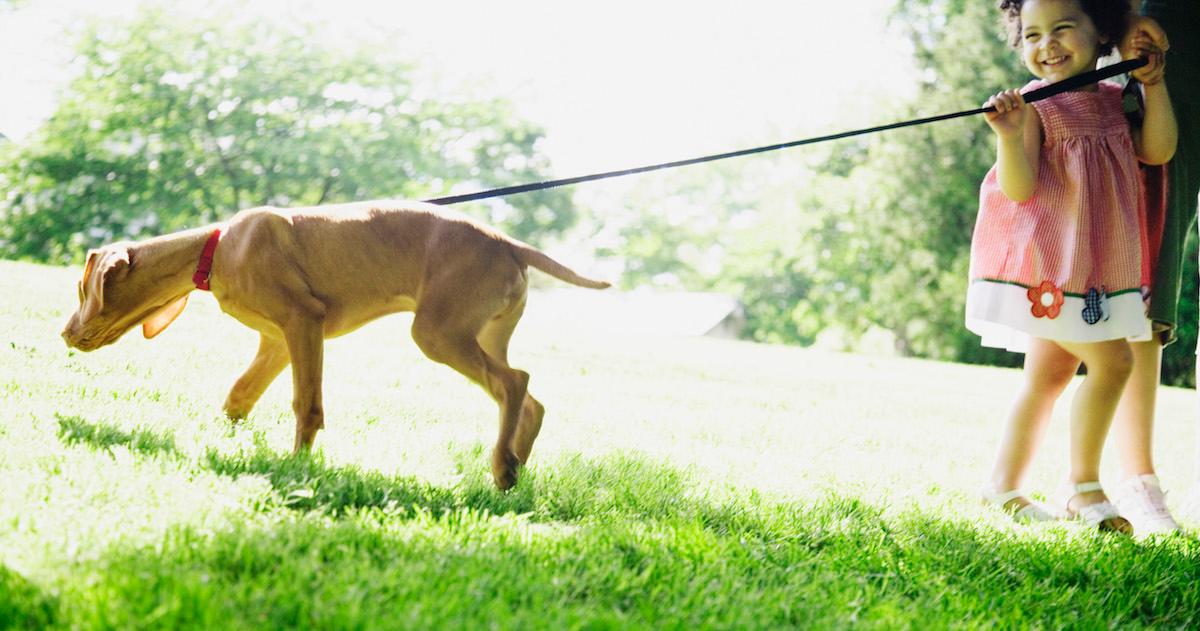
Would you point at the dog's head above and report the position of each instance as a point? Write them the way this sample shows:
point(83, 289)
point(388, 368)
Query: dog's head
point(116, 294)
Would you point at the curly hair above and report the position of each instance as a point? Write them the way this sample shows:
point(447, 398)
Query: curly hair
point(1109, 16)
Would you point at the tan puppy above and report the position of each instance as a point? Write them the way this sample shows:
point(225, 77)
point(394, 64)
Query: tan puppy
point(298, 276)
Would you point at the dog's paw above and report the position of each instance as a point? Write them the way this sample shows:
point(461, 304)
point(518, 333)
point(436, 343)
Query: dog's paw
point(237, 413)
point(504, 468)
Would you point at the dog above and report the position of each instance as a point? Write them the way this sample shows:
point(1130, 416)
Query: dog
point(299, 276)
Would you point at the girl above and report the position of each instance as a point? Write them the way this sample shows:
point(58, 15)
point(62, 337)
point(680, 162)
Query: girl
point(1060, 253)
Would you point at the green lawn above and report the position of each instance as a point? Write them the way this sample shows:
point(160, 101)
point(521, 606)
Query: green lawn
point(677, 483)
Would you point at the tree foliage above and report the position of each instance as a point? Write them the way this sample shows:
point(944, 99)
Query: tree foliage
point(172, 123)
point(929, 178)
point(872, 232)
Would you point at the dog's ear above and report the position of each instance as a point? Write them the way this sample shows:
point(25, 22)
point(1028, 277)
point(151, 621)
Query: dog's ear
point(163, 318)
point(88, 267)
point(102, 265)
point(90, 298)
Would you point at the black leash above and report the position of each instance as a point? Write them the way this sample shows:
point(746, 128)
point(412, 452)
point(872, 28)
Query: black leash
point(1072, 83)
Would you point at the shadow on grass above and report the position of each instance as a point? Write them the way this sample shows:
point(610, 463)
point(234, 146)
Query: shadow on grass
point(22, 604)
point(306, 482)
point(74, 430)
point(838, 562)
point(569, 489)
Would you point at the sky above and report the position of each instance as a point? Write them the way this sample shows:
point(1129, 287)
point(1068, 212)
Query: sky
point(615, 84)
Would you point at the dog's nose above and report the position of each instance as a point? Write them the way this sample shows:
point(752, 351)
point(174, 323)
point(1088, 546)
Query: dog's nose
point(67, 335)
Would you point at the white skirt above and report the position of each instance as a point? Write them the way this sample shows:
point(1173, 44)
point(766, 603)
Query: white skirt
point(1003, 315)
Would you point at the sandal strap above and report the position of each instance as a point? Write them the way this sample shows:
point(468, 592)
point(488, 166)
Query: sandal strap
point(1030, 512)
point(1033, 512)
point(1069, 491)
point(1000, 499)
point(1094, 514)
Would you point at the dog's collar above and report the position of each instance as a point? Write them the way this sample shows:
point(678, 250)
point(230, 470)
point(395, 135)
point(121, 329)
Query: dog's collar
point(204, 267)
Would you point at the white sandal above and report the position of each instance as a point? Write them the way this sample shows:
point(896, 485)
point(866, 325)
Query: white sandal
point(1029, 513)
point(1102, 516)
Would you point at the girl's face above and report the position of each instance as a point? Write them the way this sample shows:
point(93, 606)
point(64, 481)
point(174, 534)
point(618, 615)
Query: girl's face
point(1058, 40)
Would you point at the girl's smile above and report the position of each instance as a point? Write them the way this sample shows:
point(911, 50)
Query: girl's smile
point(1058, 40)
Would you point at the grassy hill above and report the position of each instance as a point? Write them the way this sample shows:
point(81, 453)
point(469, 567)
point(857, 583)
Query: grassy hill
point(676, 483)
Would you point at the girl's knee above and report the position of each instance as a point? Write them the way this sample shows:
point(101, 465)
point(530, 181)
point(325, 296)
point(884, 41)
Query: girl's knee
point(1118, 363)
point(1050, 380)
point(1110, 360)
point(1060, 377)
point(1051, 373)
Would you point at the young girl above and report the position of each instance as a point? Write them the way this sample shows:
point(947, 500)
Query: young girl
point(1060, 257)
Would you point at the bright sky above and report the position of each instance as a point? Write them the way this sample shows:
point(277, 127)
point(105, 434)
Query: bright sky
point(615, 84)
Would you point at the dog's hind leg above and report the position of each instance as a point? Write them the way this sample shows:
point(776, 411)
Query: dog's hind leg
point(454, 343)
point(532, 412)
point(494, 340)
point(271, 359)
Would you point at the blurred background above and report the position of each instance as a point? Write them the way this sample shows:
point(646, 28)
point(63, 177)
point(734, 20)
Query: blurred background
point(126, 119)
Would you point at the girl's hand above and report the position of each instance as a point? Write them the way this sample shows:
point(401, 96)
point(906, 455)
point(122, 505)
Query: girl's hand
point(1152, 72)
point(1145, 38)
point(1008, 121)
point(1142, 28)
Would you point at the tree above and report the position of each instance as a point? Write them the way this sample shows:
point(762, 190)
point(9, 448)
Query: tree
point(928, 180)
point(174, 123)
point(870, 233)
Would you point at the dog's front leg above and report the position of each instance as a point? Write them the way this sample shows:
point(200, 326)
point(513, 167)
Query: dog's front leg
point(271, 359)
point(305, 343)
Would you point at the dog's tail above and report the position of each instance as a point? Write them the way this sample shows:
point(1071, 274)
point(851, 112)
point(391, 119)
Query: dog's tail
point(533, 257)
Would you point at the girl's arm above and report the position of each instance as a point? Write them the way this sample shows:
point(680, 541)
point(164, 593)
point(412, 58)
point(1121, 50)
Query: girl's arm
point(1018, 144)
point(1155, 141)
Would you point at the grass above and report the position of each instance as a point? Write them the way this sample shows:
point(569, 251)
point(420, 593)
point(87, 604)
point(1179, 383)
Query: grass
point(678, 483)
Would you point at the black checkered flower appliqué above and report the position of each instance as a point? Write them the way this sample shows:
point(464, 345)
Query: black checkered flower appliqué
point(1095, 306)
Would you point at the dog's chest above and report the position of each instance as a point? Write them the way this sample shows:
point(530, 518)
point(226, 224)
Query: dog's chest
point(249, 317)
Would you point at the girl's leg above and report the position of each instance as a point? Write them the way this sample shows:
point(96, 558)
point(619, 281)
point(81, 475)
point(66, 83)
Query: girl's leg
point(1109, 365)
point(1140, 497)
point(1048, 370)
point(1133, 425)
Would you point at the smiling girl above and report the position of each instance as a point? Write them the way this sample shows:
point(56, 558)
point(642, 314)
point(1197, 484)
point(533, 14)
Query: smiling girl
point(1060, 255)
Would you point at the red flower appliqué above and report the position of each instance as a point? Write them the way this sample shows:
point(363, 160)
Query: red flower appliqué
point(1047, 300)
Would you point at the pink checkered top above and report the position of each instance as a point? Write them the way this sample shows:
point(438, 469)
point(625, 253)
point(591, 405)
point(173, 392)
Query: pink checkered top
point(1085, 225)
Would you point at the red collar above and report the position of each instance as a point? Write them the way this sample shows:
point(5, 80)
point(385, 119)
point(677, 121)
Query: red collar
point(204, 267)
